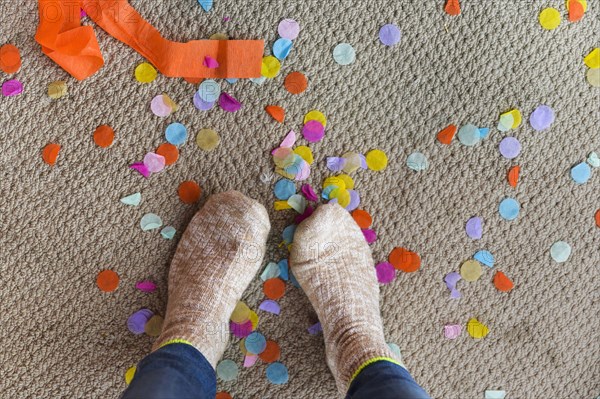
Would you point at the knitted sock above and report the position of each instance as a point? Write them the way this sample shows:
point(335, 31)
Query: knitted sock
point(333, 264)
point(217, 257)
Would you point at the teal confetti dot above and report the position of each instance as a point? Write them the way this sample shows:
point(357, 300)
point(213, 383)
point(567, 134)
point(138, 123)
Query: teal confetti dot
point(255, 343)
point(284, 189)
point(176, 133)
point(509, 208)
point(288, 234)
point(168, 232)
point(581, 173)
point(209, 91)
point(469, 135)
point(344, 54)
point(282, 48)
point(227, 370)
point(277, 373)
point(485, 257)
point(560, 251)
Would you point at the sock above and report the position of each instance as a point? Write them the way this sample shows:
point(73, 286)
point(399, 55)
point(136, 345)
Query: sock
point(334, 266)
point(219, 254)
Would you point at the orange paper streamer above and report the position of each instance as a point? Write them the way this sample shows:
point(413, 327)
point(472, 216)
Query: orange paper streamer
point(75, 47)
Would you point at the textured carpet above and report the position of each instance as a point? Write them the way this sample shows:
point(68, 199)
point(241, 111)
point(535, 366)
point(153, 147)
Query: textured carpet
point(62, 337)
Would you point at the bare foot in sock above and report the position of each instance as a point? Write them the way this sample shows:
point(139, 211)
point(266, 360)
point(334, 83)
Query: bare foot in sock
point(334, 266)
point(217, 257)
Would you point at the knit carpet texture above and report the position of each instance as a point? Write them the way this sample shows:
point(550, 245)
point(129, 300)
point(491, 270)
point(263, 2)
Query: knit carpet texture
point(63, 337)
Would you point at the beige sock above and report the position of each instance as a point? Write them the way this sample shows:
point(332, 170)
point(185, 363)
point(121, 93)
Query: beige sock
point(219, 254)
point(334, 266)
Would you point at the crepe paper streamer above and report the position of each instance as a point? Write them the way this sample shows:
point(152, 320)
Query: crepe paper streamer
point(210, 62)
point(593, 160)
point(469, 135)
point(483, 132)
point(581, 173)
point(277, 373)
point(474, 228)
point(452, 7)
point(576, 10)
point(270, 306)
point(560, 251)
point(452, 331)
point(495, 394)
point(146, 286)
point(597, 218)
point(363, 219)
point(153, 327)
point(10, 59)
point(405, 260)
point(284, 189)
point(12, 88)
point(502, 282)
point(298, 203)
point(276, 112)
point(309, 192)
point(510, 147)
point(129, 374)
point(471, 270)
point(284, 269)
point(189, 192)
point(137, 321)
point(288, 29)
point(446, 135)
point(295, 83)
point(250, 360)
point(154, 162)
point(227, 370)
point(513, 176)
point(228, 103)
point(241, 313)
point(344, 54)
point(271, 271)
point(593, 77)
point(50, 153)
point(240, 330)
point(145, 73)
point(202, 105)
point(592, 60)
point(169, 152)
point(389, 35)
point(385, 272)
point(168, 232)
point(313, 131)
point(542, 118)
point(75, 47)
point(162, 106)
point(451, 279)
point(206, 4)
point(288, 233)
point(104, 136)
point(549, 18)
point(270, 67)
point(222, 394)
point(141, 168)
point(476, 329)
point(484, 257)
point(417, 162)
point(133, 199)
point(282, 48)
point(107, 280)
point(208, 139)
point(509, 209)
point(354, 200)
point(255, 343)
point(376, 160)
point(57, 90)
point(274, 288)
point(315, 329)
point(150, 221)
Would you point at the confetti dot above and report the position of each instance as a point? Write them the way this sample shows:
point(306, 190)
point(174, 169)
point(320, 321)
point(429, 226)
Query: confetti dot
point(241, 313)
point(277, 373)
point(228, 103)
point(509, 209)
point(446, 135)
point(169, 152)
point(593, 77)
point(485, 258)
point(549, 18)
point(471, 270)
point(10, 59)
point(162, 106)
point(255, 343)
point(542, 118)
point(316, 116)
point(176, 133)
point(344, 54)
point(417, 162)
point(207, 139)
point(107, 280)
point(282, 48)
point(502, 282)
point(513, 175)
point(271, 353)
point(145, 73)
point(168, 232)
point(581, 173)
point(592, 60)
point(12, 88)
point(129, 374)
point(154, 162)
point(274, 288)
point(227, 370)
point(362, 218)
point(288, 29)
point(404, 260)
point(50, 153)
point(270, 67)
point(57, 89)
point(476, 329)
point(389, 34)
point(313, 131)
point(510, 147)
point(150, 221)
point(189, 192)
point(137, 321)
point(385, 272)
point(209, 91)
point(597, 218)
point(284, 189)
point(593, 160)
point(474, 228)
point(296, 83)
point(452, 331)
point(376, 160)
point(276, 112)
point(469, 135)
point(104, 136)
point(560, 251)
point(202, 105)
point(223, 395)
point(153, 327)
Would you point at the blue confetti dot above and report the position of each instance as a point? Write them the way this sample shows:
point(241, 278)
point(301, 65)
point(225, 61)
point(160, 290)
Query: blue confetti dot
point(231, 80)
point(509, 208)
point(277, 373)
point(282, 48)
point(284, 189)
point(484, 131)
point(206, 4)
point(581, 173)
point(176, 134)
point(284, 270)
point(288, 234)
point(255, 343)
point(485, 257)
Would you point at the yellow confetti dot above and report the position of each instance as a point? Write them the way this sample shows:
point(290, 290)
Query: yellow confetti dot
point(57, 89)
point(129, 374)
point(281, 205)
point(592, 60)
point(516, 114)
point(550, 18)
point(154, 326)
point(376, 160)
point(270, 67)
point(241, 313)
point(207, 139)
point(170, 103)
point(254, 319)
point(219, 36)
point(582, 2)
point(305, 153)
point(477, 329)
point(471, 270)
point(593, 77)
point(316, 116)
point(145, 73)
point(342, 195)
point(348, 180)
point(334, 181)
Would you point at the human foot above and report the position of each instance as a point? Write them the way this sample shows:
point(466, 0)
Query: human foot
point(217, 257)
point(334, 266)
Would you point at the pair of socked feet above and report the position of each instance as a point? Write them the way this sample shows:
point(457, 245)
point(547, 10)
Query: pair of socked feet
point(222, 250)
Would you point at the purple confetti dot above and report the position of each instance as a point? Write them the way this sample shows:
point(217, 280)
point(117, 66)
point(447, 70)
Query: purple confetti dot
point(389, 34)
point(370, 235)
point(385, 272)
point(202, 105)
point(12, 88)
point(542, 118)
point(313, 131)
point(137, 321)
point(228, 103)
point(474, 228)
point(510, 147)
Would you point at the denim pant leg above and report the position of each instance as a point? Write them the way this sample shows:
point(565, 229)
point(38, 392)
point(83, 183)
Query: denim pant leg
point(385, 380)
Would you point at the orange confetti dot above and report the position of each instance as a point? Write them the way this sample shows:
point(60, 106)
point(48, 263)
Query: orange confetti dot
point(576, 10)
point(452, 7)
point(169, 151)
point(107, 280)
point(405, 260)
point(274, 288)
point(502, 282)
point(189, 192)
point(296, 82)
point(10, 58)
point(446, 135)
point(104, 136)
point(223, 395)
point(513, 175)
point(276, 112)
point(597, 217)
point(271, 353)
point(362, 218)
point(50, 153)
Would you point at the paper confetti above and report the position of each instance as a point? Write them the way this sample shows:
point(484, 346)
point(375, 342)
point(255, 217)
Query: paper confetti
point(593, 77)
point(209, 91)
point(210, 62)
point(150, 221)
point(270, 306)
point(255, 343)
point(452, 7)
point(10, 59)
point(489, 394)
point(153, 327)
point(474, 228)
point(276, 112)
point(451, 279)
point(288, 29)
point(469, 135)
point(129, 374)
point(452, 331)
point(502, 282)
point(189, 192)
point(476, 329)
point(12, 88)
point(206, 4)
point(271, 353)
point(509, 209)
point(542, 118)
point(277, 373)
point(385, 272)
point(274, 289)
point(50, 153)
point(146, 286)
point(154, 162)
point(344, 54)
point(296, 83)
point(168, 232)
point(471, 270)
point(549, 18)
point(313, 131)
point(145, 73)
point(560, 251)
point(57, 89)
point(593, 160)
point(592, 60)
point(405, 260)
point(162, 106)
point(417, 162)
point(207, 139)
point(169, 152)
point(107, 280)
point(137, 321)
point(581, 173)
point(315, 329)
point(513, 175)
point(376, 160)
point(133, 199)
point(104, 136)
point(389, 35)
point(484, 257)
point(270, 67)
point(510, 147)
point(227, 370)
point(228, 103)
point(446, 135)
point(282, 48)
